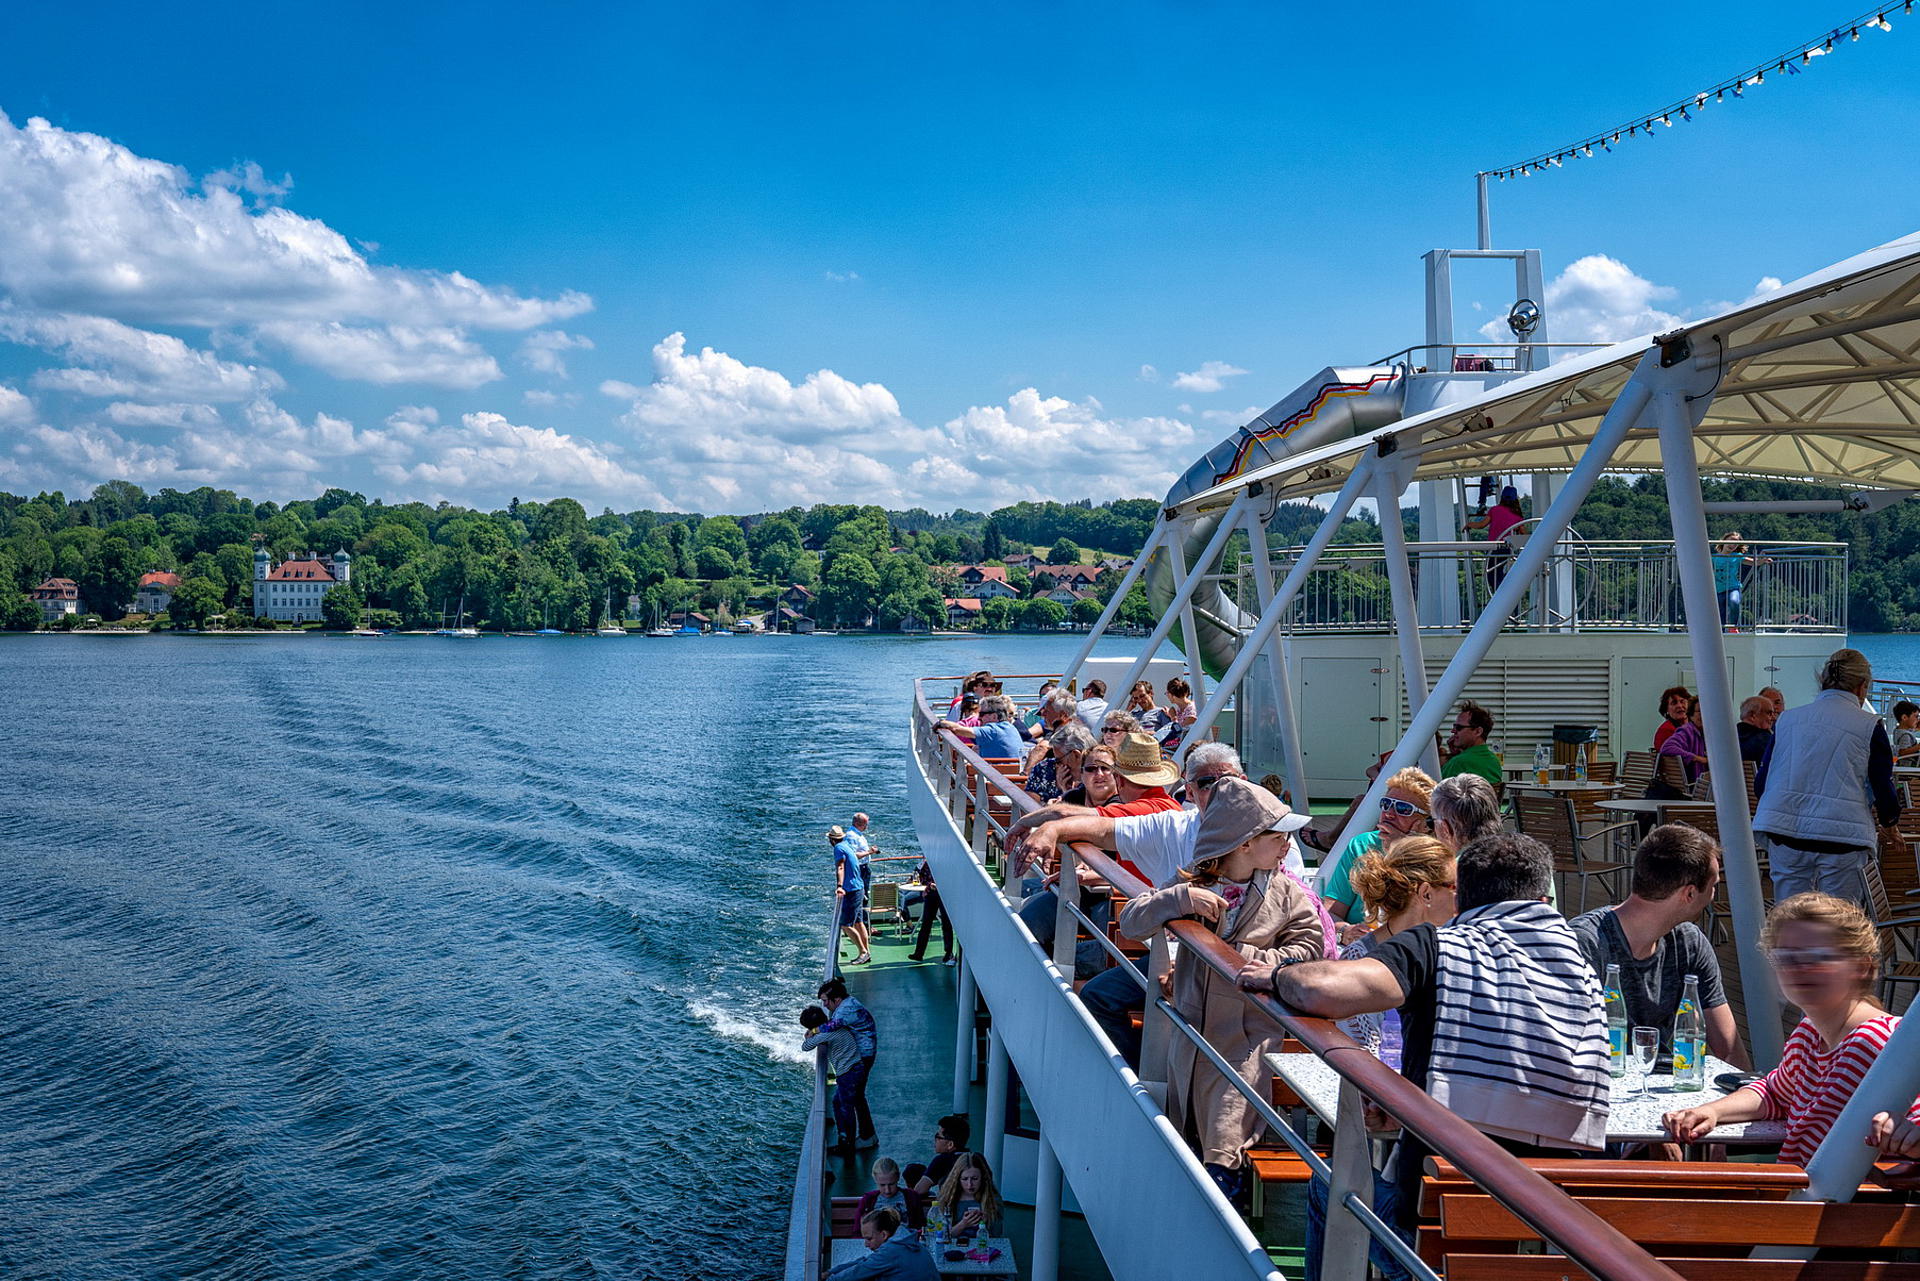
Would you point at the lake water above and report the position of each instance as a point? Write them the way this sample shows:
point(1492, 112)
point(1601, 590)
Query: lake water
point(420, 958)
point(429, 959)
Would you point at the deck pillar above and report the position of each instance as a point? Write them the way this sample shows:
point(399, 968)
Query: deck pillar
point(1276, 650)
point(1114, 602)
point(1675, 416)
point(963, 1038)
point(1406, 611)
point(1044, 1264)
point(1625, 412)
point(1276, 611)
point(995, 1146)
point(1186, 580)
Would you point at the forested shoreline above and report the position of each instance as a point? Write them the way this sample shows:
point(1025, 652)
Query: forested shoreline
point(534, 564)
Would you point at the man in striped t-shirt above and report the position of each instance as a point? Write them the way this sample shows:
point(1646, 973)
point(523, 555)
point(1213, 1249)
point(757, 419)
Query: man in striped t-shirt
point(1501, 1017)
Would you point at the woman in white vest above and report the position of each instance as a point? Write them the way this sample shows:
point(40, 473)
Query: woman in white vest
point(1827, 778)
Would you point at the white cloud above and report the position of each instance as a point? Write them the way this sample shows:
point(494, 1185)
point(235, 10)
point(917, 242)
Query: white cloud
point(1148, 374)
point(843, 277)
point(128, 414)
point(713, 387)
point(541, 351)
point(1211, 376)
point(1228, 417)
point(249, 177)
point(119, 361)
point(1601, 299)
point(16, 407)
point(88, 226)
point(441, 356)
point(488, 455)
point(1034, 445)
point(618, 390)
point(550, 399)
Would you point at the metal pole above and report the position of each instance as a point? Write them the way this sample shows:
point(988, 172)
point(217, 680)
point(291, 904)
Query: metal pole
point(963, 1039)
point(995, 1147)
point(1486, 218)
point(1045, 1263)
point(1108, 614)
point(1276, 610)
point(1674, 417)
point(1613, 428)
point(1186, 579)
point(1277, 659)
point(1406, 613)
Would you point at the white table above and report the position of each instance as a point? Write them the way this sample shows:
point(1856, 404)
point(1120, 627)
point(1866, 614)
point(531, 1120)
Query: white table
point(1000, 1265)
point(1629, 1119)
point(1560, 785)
point(1625, 806)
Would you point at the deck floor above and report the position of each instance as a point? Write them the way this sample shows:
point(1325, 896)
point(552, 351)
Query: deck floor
point(912, 1087)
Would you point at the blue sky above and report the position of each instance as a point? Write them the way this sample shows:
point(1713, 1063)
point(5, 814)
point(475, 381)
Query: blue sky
point(910, 258)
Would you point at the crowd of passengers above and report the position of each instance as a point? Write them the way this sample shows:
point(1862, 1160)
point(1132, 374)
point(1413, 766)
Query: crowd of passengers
point(1434, 939)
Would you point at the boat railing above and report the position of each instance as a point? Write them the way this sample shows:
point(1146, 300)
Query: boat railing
point(807, 1222)
point(984, 804)
point(1586, 585)
point(1478, 358)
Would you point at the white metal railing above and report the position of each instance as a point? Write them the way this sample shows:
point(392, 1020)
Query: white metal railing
point(983, 804)
point(1586, 585)
point(1476, 358)
point(807, 1221)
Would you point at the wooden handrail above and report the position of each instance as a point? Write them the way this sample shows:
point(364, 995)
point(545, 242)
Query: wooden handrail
point(1572, 1228)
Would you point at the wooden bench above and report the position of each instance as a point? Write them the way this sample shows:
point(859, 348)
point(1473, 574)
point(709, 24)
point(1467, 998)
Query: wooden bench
point(1697, 1217)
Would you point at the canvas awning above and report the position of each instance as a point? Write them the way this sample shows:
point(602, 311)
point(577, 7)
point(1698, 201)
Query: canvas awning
point(1818, 381)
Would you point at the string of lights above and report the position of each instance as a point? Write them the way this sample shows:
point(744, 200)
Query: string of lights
point(1791, 63)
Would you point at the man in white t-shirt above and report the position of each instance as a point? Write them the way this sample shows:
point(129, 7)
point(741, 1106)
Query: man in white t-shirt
point(1156, 846)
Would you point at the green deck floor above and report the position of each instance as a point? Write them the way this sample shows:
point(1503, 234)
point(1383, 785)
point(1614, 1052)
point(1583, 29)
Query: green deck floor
point(912, 1087)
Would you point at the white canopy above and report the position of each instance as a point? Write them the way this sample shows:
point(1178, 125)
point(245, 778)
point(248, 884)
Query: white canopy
point(1818, 381)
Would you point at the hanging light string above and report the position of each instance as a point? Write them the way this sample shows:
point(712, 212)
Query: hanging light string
point(1791, 63)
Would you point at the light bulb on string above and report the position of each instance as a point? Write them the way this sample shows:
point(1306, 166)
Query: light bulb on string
point(1855, 33)
point(1667, 121)
point(1881, 22)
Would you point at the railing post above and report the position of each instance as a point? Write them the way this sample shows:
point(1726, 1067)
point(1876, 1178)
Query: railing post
point(1276, 647)
point(1406, 613)
point(1343, 1254)
point(979, 833)
point(995, 1147)
point(1673, 414)
point(1045, 1263)
point(1156, 1032)
point(964, 1001)
point(1186, 581)
point(1066, 926)
point(1183, 586)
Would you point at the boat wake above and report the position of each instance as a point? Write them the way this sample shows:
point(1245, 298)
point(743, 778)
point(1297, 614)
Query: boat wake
point(782, 1045)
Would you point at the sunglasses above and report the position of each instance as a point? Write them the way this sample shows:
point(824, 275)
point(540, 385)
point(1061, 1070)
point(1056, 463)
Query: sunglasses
point(1114, 729)
point(1793, 958)
point(1405, 809)
point(1096, 769)
point(1206, 780)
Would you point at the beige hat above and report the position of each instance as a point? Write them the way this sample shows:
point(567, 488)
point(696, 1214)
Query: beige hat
point(1139, 761)
point(836, 833)
point(1237, 812)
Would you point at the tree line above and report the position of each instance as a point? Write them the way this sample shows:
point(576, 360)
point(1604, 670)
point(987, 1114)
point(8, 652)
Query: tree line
point(528, 565)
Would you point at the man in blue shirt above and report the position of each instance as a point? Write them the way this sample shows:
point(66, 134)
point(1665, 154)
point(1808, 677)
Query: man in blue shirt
point(850, 891)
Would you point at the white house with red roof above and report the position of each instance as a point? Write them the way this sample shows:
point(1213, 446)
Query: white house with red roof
point(294, 590)
point(155, 592)
point(55, 597)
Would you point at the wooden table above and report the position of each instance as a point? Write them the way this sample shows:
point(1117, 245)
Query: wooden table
point(1001, 1263)
point(1629, 1119)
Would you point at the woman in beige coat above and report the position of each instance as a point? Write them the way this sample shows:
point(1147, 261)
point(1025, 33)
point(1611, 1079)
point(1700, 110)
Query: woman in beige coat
point(1233, 889)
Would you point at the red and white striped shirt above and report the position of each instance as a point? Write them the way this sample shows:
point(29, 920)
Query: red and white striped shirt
point(1811, 1085)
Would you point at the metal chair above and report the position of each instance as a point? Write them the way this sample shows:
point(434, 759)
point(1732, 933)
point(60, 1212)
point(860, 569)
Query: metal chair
point(1636, 772)
point(1550, 820)
point(1899, 939)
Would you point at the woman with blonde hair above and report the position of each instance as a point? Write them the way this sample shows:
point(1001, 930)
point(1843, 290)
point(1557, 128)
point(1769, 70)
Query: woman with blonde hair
point(1234, 888)
point(968, 1201)
point(1825, 955)
point(1409, 882)
point(1405, 810)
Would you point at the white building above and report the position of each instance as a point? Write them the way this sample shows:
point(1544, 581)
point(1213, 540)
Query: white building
point(292, 591)
point(55, 597)
point(155, 592)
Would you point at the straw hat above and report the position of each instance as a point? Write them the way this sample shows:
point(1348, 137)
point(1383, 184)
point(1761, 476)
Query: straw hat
point(1237, 812)
point(836, 834)
point(1139, 761)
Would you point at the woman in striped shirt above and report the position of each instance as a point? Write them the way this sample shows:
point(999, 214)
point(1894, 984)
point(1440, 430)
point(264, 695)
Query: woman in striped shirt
point(1825, 953)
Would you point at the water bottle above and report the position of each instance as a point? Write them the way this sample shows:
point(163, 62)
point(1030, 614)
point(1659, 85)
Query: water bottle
point(1689, 1040)
point(1617, 1023)
point(1580, 764)
point(1542, 763)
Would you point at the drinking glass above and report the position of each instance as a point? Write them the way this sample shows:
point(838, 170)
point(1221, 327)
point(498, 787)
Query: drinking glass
point(1646, 1048)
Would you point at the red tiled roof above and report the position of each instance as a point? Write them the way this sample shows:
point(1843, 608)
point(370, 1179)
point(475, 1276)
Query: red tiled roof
point(301, 571)
point(969, 603)
point(57, 589)
point(162, 577)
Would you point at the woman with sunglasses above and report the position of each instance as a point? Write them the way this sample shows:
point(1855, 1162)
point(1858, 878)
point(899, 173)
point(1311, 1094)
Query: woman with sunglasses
point(1405, 810)
point(1825, 954)
point(1098, 783)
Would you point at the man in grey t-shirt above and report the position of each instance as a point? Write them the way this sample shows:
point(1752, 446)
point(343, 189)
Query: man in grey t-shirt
point(1653, 939)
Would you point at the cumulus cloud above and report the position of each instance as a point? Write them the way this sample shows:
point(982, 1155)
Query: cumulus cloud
point(111, 359)
point(1211, 376)
point(539, 399)
point(16, 407)
point(440, 356)
point(128, 414)
point(541, 352)
point(88, 226)
point(1148, 374)
point(843, 277)
point(1601, 299)
point(710, 386)
point(489, 454)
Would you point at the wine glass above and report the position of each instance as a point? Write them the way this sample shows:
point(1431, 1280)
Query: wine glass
point(1646, 1049)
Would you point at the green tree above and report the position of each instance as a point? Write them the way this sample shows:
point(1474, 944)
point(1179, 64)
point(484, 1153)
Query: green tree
point(850, 590)
point(1087, 610)
point(108, 579)
point(714, 562)
point(996, 615)
point(341, 607)
point(993, 543)
point(1064, 552)
point(1041, 614)
point(195, 601)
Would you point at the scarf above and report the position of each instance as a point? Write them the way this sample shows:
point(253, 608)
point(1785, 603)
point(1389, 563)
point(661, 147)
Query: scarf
point(1520, 1039)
